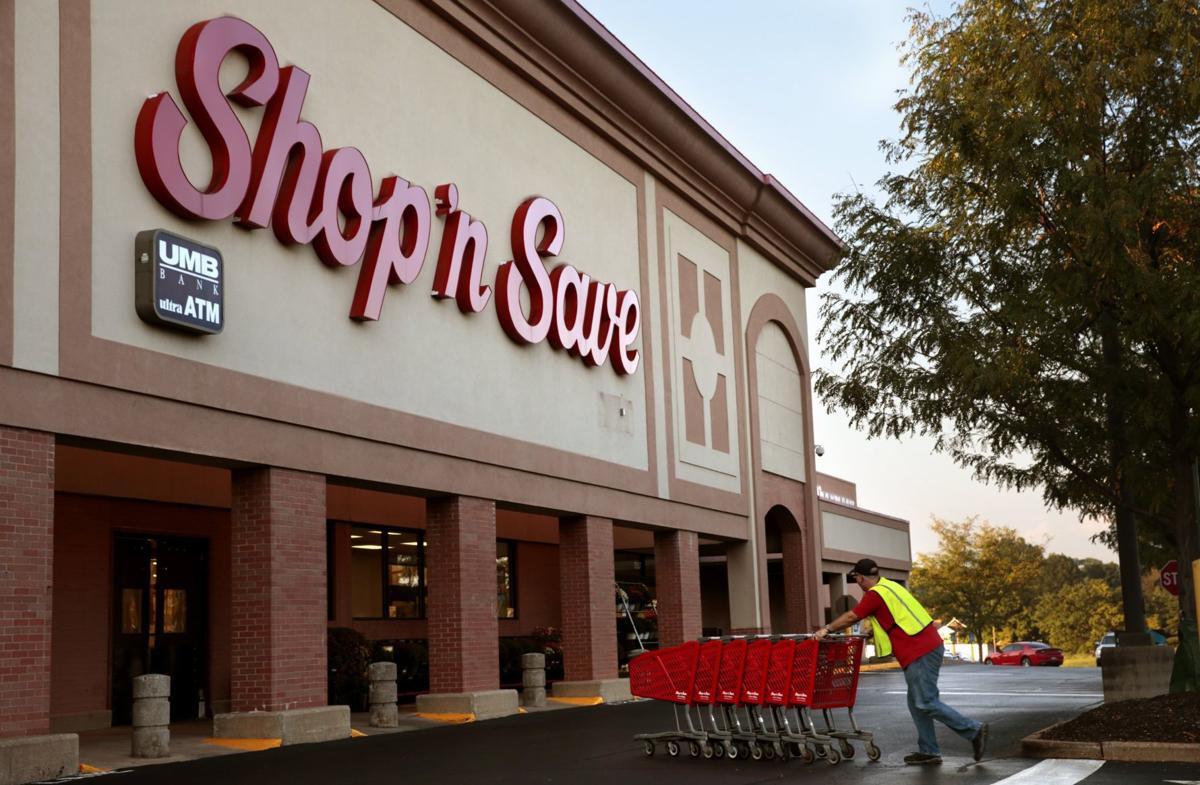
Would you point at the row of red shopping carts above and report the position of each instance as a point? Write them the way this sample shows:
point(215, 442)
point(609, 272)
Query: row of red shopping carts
point(754, 697)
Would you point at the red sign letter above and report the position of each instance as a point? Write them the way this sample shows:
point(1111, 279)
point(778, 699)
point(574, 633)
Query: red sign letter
point(160, 123)
point(460, 260)
point(529, 270)
point(397, 246)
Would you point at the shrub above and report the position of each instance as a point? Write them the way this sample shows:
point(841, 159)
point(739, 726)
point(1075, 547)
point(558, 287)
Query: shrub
point(348, 657)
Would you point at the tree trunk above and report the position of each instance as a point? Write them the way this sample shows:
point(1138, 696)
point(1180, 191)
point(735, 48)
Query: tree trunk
point(1116, 415)
point(1185, 675)
point(1187, 531)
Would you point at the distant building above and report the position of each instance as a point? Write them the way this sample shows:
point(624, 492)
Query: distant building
point(849, 533)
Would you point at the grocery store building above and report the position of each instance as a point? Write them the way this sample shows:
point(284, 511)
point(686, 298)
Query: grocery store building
point(430, 320)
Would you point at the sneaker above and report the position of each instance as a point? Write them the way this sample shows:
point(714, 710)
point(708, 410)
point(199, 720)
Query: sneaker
point(923, 759)
point(979, 743)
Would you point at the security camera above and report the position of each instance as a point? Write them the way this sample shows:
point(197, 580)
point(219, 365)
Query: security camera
point(819, 450)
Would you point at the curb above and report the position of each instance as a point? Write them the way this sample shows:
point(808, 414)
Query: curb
point(1035, 746)
point(879, 666)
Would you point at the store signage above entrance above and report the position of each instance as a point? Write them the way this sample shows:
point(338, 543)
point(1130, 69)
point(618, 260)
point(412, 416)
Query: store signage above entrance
point(309, 195)
point(178, 282)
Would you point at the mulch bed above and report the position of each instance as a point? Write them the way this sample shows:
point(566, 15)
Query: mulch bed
point(1167, 718)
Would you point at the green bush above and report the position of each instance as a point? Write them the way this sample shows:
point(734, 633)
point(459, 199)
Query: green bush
point(348, 655)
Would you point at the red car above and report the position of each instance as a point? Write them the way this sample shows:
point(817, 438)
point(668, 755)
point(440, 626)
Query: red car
point(1026, 653)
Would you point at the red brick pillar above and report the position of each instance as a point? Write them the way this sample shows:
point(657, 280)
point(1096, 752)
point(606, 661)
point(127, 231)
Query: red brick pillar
point(26, 578)
point(586, 594)
point(464, 646)
point(677, 585)
point(795, 584)
point(278, 587)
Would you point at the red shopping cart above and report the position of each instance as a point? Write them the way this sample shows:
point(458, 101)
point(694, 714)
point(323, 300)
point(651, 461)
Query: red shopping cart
point(835, 686)
point(751, 697)
point(671, 675)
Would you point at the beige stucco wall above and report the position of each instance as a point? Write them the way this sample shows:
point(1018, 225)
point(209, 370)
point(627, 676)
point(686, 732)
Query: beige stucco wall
point(758, 276)
point(780, 404)
point(35, 219)
point(412, 111)
point(700, 462)
point(843, 533)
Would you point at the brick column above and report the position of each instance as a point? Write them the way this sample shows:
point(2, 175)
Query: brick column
point(586, 594)
point(795, 583)
point(464, 647)
point(278, 588)
point(26, 578)
point(677, 584)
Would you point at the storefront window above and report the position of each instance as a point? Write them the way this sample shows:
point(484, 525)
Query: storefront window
point(506, 579)
point(131, 611)
point(630, 567)
point(388, 574)
point(405, 589)
point(174, 611)
point(366, 571)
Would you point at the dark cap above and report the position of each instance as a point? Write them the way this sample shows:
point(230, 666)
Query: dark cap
point(863, 567)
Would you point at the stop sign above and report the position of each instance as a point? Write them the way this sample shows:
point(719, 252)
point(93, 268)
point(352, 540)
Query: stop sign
point(1169, 577)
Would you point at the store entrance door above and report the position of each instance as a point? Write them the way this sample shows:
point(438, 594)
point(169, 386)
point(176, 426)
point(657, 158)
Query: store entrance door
point(160, 622)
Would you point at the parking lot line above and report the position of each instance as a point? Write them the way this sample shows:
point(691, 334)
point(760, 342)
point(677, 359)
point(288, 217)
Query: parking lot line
point(1018, 694)
point(1054, 771)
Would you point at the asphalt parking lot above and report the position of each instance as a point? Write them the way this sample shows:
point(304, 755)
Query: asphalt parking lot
point(595, 745)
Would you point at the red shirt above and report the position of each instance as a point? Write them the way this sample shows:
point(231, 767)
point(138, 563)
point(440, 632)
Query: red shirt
point(906, 647)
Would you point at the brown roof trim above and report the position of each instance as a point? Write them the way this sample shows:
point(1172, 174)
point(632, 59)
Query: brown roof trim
point(626, 92)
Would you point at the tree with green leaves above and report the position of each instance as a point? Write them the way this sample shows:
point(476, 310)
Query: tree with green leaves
point(1027, 292)
point(1079, 614)
point(983, 575)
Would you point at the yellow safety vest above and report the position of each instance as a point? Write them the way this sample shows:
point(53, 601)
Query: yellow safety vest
point(910, 616)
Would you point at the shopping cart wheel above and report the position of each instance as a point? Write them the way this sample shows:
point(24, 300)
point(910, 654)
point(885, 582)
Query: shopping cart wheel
point(743, 750)
point(847, 749)
point(673, 748)
point(707, 751)
point(804, 753)
point(819, 752)
point(873, 752)
point(648, 749)
point(769, 751)
point(756, 750)
point(694, 749)
point(718, 751)
point(732, 751)
point(832, 757)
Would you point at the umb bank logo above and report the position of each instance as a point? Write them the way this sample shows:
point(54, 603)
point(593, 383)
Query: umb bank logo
point(178, 282)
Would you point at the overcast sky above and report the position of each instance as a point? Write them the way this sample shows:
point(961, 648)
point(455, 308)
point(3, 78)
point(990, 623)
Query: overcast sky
point(804, 88)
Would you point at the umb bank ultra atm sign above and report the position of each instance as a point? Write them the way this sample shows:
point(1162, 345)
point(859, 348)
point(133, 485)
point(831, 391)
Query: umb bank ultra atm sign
point(178, 282)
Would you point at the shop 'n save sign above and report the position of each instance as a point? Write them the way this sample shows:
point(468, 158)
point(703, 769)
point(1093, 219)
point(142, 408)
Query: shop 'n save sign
point(309, 195)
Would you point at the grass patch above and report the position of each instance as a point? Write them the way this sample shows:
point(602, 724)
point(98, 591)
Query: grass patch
point(1079, 660)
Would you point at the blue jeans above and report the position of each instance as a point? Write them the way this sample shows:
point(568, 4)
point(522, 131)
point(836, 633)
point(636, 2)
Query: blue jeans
point(925, 705)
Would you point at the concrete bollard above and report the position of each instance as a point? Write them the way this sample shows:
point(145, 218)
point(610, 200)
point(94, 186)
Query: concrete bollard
point(151, 716)
point(384, 713)
point(533, 679)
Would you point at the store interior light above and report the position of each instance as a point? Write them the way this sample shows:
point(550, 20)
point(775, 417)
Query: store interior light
point(368, 547)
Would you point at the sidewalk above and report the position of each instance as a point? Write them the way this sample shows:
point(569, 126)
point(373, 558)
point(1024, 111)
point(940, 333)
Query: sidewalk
point(107, 749)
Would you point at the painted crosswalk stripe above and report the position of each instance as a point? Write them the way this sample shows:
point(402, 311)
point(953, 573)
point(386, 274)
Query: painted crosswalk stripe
point(1012, 694)
point(1054, 771)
